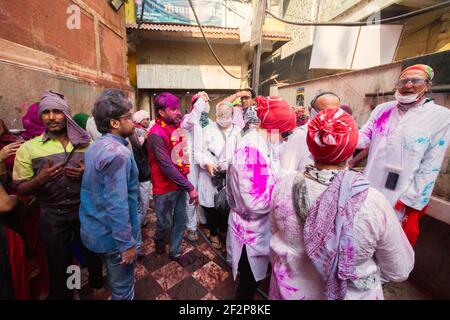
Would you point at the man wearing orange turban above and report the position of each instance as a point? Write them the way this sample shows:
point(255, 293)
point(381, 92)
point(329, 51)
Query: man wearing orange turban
point(408, 138)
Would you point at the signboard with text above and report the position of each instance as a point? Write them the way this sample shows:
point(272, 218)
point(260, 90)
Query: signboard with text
point(209, 12)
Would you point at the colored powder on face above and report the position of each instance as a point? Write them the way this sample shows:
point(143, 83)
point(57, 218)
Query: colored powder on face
point(381, 122)
point(441, 142)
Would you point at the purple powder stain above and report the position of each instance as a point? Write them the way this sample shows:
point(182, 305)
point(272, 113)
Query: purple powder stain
point(282, 273)
point(242, 235)
point(381, 121)
point(256, 164)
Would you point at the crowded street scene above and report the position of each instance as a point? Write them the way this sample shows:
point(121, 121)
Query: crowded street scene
point(224, 150)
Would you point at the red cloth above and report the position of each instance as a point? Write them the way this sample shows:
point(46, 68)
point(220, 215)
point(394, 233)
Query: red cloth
point(161, 183)
point(332, 136)
point(9, 162)
point(410, 221)
point(40, 283)
point(275, 114)
point(18, 264)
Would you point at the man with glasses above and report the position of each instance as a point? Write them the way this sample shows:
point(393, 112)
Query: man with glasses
point(109, 195)
point(408, 138)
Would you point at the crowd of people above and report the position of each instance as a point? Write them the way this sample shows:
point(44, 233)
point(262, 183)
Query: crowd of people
point(280, 181)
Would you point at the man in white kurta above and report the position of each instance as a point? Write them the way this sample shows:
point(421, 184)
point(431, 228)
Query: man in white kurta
point(193, 124)
point(212, 152)
point(251, 177)
point(408, 140)
point(382, 250)
point(333, 237)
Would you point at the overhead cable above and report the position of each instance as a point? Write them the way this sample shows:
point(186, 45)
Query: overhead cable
point(210, 47)
point(363, 23)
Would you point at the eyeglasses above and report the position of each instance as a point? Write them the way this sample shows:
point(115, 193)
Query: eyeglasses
point(415, 82)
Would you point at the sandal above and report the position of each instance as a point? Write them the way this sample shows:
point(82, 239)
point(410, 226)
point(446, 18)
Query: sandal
point(215, 242)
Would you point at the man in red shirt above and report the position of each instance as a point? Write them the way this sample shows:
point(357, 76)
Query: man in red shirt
point(169, 165)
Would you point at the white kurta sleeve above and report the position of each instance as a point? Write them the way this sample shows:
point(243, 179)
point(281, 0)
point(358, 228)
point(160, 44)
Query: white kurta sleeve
point(394, 254)
point(191, 119)
point(419, 192)
point(201, 138)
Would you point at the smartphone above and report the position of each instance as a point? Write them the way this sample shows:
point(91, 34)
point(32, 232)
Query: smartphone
point(391, 180)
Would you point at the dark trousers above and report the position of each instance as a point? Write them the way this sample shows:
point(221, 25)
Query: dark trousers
point(58, 229)
point(170, 209)
point(213, 220)
point(247, 284)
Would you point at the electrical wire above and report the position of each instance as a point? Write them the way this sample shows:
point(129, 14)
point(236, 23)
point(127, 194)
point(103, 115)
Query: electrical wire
point(210, 47)
point(228, 6)
point(140, 22)
point(358, 24)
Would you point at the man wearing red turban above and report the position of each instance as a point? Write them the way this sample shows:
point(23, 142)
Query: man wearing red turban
point(327, 224)
point(251, 176)
point(275, 114)
point(332, 136)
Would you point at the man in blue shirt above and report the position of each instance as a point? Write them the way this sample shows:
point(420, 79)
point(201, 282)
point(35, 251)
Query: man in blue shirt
point(109, 193)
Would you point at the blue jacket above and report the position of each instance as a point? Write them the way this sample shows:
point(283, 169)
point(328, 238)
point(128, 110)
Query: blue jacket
point(109, 196)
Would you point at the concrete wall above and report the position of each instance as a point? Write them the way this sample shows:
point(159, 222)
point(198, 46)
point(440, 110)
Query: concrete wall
point(188, 53)
point(38, 51)
point(351, 87)
point(193, 60)
point(432, 265)
point(430, 33)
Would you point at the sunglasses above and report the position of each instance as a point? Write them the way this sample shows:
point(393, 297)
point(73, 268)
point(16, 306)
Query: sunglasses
point(415, 82)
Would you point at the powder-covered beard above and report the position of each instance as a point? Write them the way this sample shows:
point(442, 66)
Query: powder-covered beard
point(171, 121)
